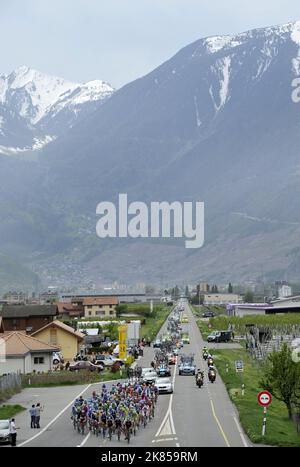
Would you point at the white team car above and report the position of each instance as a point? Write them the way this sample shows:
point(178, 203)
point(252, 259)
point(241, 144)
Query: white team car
point(150, 376)
point(164, 385)
point(4, 431)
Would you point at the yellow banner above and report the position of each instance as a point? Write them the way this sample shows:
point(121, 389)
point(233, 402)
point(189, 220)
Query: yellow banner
point(122, 342)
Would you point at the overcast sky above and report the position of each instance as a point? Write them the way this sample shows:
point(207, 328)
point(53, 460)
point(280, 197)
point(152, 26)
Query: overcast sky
point(120, 40)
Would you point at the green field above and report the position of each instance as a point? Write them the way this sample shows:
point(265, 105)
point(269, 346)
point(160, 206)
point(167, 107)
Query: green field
point(204, 328)
point(280, 430)
point(283, 322)
point(280, 321)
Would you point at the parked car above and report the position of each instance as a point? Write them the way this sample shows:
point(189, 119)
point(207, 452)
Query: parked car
point(220, 336)
point(57, 358)
point(209, 314)
point(4, 431)
point(85, 365)
point(164, 385)
point(107, 360)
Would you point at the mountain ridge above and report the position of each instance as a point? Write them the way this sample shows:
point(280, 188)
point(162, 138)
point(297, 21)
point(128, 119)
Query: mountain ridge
point(38, 106)
point(216, 127)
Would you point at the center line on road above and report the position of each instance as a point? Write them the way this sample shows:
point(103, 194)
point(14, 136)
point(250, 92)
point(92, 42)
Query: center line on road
point(219, 424)
point(169, 414)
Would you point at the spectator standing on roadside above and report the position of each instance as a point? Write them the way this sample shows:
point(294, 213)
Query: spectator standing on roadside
point(32, 413)
point(38, 410)
point(13, 432)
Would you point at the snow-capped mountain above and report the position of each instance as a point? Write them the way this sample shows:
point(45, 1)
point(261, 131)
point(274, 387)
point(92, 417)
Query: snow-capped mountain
point(215, 123)
point(35, 108)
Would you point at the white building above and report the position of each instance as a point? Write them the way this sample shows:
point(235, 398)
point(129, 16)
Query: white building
point(284, 305)
point(221, 299)
point(285, 291)
point(24, 354)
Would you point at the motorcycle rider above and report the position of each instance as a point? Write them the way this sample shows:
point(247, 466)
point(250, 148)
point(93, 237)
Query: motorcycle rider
point(205, 353)
point(199, 377)
point(211, 372)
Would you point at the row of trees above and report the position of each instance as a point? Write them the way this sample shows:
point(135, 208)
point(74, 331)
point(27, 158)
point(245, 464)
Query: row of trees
point(249, 296)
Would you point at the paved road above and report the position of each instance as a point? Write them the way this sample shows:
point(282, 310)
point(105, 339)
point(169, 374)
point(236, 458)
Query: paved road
point(190, 417)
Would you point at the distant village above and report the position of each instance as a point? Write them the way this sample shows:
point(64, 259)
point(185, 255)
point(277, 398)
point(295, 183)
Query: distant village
point(37, 329)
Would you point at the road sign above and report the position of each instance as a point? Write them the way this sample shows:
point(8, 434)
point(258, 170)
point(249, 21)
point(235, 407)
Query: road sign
point(239, 366)
point(264, 398)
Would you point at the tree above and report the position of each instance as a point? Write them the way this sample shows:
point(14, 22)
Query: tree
point(230, 288)
point(281, 377)
point(249, 297)
point(112, 331)
point(121, 309)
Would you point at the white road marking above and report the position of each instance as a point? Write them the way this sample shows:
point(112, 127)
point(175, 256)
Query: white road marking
point(166, 430)
point(168, 418)
point(165, 439)
point(63, 411)
point(54, 419)
point(216, 418)
point(177, 445)
point(84, 441)
point(219, 424)
point(241, 432)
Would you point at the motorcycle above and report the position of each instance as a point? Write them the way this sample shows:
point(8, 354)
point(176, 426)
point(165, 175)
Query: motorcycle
point(205, 355)
point(199, 381)
point(210, 362)
point(212, 376)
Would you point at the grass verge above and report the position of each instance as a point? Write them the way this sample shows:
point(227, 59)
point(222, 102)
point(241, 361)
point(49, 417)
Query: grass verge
point(280, 430)
point(67, 378)
point(154, 323)
point(9, 411)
